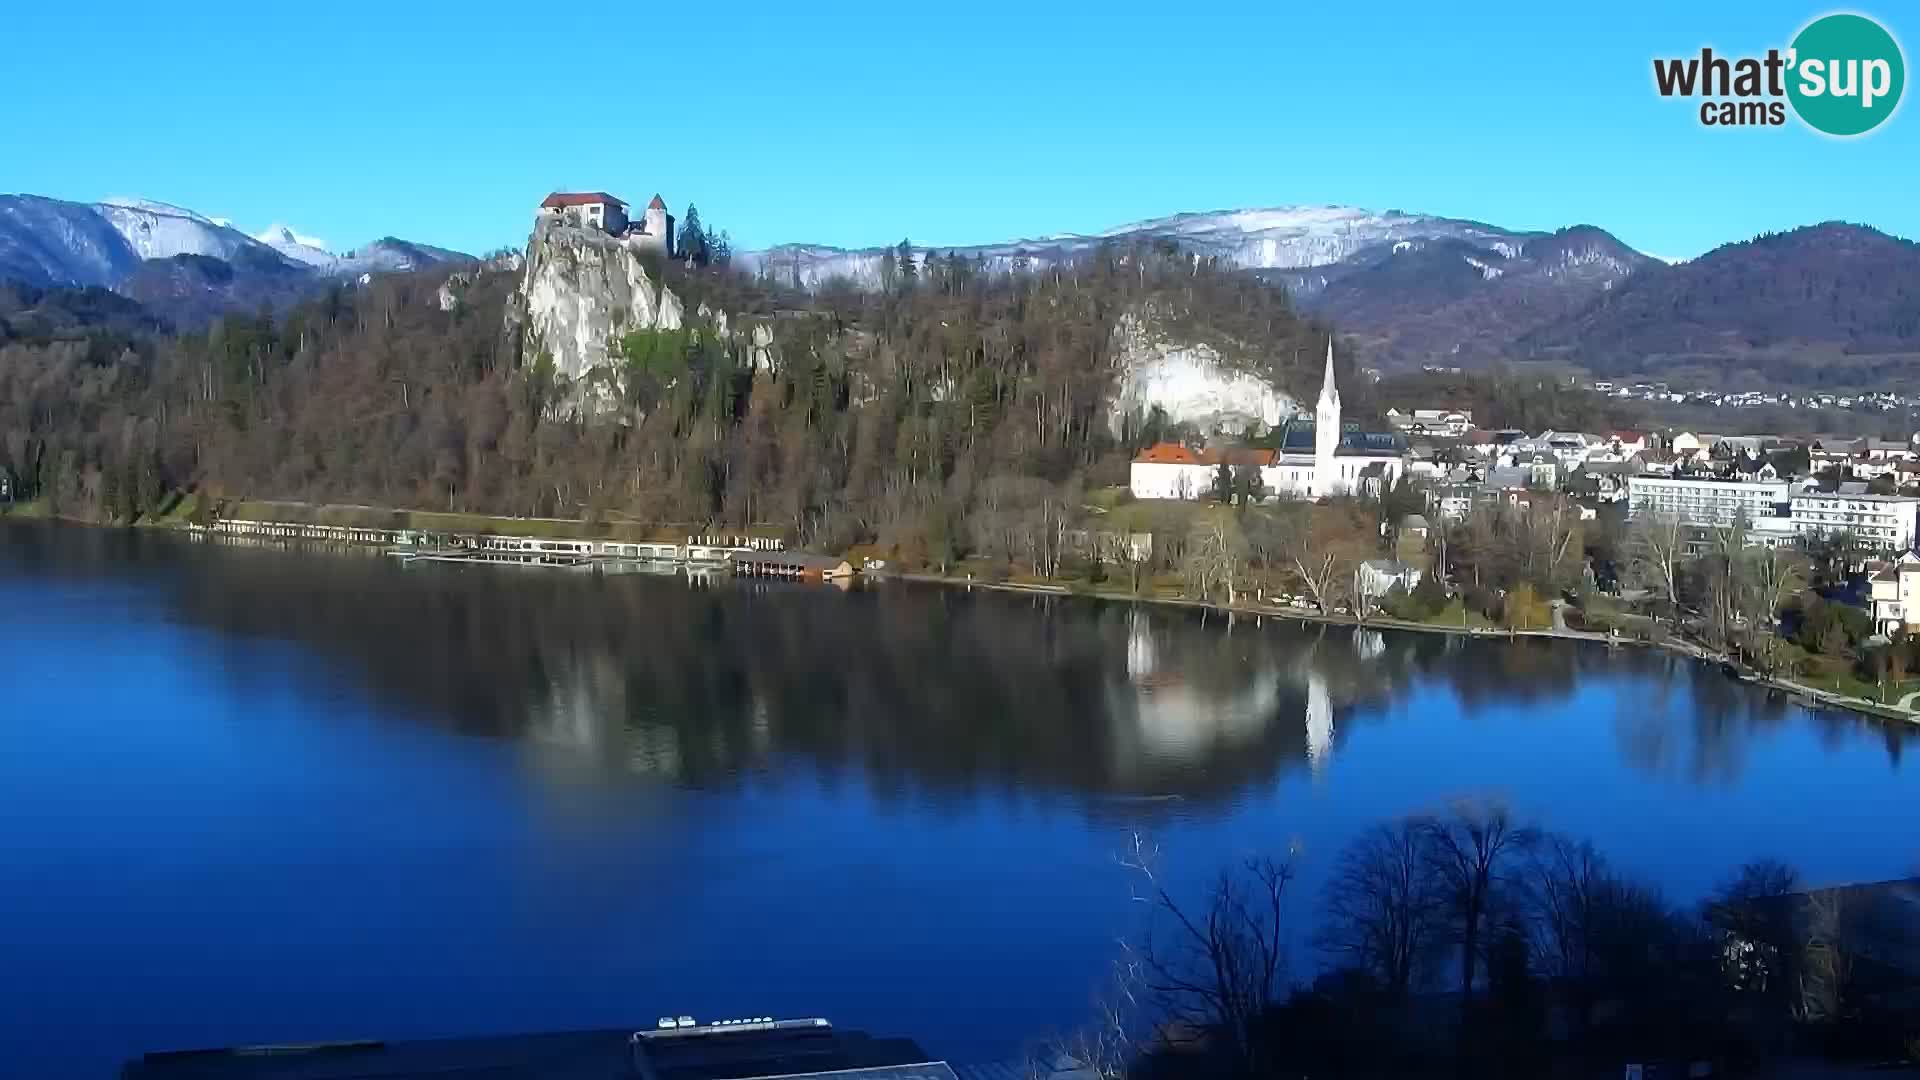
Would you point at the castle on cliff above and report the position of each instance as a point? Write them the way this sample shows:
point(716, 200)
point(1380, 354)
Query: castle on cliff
point(599, 210)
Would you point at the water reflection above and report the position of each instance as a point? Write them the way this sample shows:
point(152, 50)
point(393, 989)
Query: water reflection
point(918, 687)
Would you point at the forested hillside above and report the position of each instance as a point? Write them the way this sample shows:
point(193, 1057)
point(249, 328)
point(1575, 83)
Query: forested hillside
point(901, 416)
point(1826, 305)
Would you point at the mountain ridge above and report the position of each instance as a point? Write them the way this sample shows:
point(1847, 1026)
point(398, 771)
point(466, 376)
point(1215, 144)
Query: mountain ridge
point(157, 253)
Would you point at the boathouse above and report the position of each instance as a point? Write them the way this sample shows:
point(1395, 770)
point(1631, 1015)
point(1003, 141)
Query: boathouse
point(792, 564)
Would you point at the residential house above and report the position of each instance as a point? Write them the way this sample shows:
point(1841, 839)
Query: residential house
point(1896, 595)
point(1627, 443)
point(1452, 423)
point(1377, 577)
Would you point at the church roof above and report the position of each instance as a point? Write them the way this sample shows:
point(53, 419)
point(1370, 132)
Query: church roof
point(561, 199)
point(1298, 438)
point(657, 204)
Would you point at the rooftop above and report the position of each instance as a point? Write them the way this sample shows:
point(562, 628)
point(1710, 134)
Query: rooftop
point(562, 199)
point(792, 1049)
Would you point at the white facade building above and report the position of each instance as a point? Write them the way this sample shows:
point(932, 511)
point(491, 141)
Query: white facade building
point(1314, 460)
point(1896, 595)
point(1699, 501)
point(1882, 522)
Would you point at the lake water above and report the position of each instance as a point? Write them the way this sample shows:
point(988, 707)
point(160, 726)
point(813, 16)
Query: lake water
point(255, 795)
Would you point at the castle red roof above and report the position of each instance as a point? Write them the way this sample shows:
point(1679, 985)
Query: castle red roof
point(561, 199)
point(656, 204)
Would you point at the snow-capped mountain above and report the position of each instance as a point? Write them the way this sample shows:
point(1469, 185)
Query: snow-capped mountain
point(1410, 287)
point(157, 230)
point(386, 255)
point(128, 244)
point(1284, 237)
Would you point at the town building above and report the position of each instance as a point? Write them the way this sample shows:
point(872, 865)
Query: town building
point(1570, 448)
point(1880, 522)
point(1705, 501)
point(1896, 594)
point(1452, 423)
point(1377, 577)
point(1172, 471)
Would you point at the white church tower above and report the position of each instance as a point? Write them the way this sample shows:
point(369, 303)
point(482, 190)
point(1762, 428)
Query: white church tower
point(1326, 433)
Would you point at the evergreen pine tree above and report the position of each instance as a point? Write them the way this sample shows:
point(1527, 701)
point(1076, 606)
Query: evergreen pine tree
point(693, 239)
point(909, 273)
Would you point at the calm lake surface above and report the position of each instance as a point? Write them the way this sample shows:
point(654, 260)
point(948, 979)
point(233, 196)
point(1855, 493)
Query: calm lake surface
point(256, 795)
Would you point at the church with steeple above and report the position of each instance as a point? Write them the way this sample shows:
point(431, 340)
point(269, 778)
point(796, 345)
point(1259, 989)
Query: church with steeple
point(1325, 456)
point(1304, 459)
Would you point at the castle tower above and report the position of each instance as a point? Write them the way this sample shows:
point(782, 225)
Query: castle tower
point(659, 226)
point(1326, 433)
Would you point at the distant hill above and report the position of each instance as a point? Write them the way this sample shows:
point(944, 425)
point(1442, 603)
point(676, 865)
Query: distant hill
point(36, 316)
point(184, 266)
point(1830, 304)
point(1459, 302)
point(196, 289)
point(1833, 303)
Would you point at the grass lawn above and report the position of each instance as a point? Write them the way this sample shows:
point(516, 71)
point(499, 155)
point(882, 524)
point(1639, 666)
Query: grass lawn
point(1457, 613)
point(32, 508)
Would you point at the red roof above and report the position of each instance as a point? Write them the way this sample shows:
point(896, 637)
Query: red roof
point(656, 204)
point(1237, 455)
point(1627, 436)
point(1174, 454)
point(1167, 453)
point(561, 199)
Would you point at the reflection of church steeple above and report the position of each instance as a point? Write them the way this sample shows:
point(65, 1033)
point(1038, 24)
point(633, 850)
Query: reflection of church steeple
point(1142, 659)
point(1319, 720)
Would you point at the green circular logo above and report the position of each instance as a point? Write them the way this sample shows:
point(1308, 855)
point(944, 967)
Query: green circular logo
point(1846, 74)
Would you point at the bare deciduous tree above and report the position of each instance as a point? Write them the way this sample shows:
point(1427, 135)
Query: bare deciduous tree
point(1216, 553)
point(1656, 556)
point(1218, 970)
point(1381, 913)
point(1468, 850)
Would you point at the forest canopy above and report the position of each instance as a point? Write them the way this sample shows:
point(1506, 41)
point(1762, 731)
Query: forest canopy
point(883, 416)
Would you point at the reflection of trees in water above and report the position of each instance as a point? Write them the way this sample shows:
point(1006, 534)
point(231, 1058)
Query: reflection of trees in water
point(1692, 721)
point(913, 686)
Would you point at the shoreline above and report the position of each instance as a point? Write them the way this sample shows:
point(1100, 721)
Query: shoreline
point(1812, 695)
point(1817, 697)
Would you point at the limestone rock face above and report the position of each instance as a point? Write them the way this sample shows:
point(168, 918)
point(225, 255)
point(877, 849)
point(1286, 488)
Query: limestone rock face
point(583, 291)
point(1191, 380)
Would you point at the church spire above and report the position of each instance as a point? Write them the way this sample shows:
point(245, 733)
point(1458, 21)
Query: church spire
point(1329, 393)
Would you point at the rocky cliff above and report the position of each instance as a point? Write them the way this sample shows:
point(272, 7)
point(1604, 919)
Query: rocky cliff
point(1192, 381)
point(582, 291)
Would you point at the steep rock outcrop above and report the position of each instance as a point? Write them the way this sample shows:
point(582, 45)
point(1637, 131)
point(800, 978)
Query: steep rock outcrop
point(1192, 381)
point(581, 293)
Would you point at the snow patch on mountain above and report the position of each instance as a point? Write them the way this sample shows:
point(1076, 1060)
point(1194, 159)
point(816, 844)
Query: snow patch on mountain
point(156, 230)
point(1275, 238)
point(1487, 270)
point(308, 250)
point(1191, 381)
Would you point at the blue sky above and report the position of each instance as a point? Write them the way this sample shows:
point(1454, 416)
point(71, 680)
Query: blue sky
point(859, 125)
